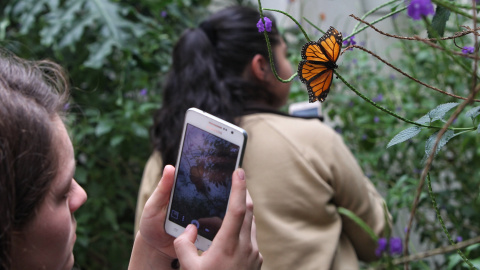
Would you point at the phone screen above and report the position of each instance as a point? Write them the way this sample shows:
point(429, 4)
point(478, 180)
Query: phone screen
point(204, 179)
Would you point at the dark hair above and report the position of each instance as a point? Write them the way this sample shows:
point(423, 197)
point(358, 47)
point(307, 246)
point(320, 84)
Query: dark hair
point(29, 101)
point(207, 73)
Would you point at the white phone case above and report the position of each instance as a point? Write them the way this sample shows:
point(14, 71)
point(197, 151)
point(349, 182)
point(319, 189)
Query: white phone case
point(210, 150)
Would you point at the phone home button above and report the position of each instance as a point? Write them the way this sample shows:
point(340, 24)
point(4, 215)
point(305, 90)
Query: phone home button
point(196, 223)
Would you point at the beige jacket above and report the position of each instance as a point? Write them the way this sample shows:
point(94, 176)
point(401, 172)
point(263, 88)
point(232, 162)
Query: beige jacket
point(298, 172)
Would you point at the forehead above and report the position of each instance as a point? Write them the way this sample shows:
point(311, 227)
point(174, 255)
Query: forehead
point(63, 147)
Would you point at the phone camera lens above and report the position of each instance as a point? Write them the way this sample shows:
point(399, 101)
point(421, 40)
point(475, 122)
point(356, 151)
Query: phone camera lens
point(232, 132)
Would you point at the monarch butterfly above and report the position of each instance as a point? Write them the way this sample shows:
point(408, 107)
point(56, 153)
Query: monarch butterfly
point(319, 61)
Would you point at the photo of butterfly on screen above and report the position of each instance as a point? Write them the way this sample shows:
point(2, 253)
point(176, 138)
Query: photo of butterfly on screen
point(319, 61)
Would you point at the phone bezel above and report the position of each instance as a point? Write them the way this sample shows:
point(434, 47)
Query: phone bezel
point(219, 128)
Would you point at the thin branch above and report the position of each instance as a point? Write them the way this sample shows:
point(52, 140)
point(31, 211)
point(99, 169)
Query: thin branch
point(437, 251)
point(405, 74)
point(376, 21)
point(459, 34)
point(373, 11)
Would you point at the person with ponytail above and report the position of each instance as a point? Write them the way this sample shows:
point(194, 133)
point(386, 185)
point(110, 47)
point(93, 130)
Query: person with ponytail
point(299, 170)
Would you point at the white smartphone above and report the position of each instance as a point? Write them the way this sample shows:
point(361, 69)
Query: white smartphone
point(306, 109)
point(210, 150)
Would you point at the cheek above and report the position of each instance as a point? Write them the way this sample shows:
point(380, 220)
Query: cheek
point(288, 68)
point(49, 238)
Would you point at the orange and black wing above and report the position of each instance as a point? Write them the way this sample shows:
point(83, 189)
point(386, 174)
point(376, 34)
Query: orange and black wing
point(331, 44)
point(318, 79)
point(316, 70)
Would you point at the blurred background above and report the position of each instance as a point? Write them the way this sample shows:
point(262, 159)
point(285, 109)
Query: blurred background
point(117, 53)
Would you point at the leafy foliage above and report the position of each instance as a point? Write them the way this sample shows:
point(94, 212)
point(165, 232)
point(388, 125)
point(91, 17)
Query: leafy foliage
point(397, 170)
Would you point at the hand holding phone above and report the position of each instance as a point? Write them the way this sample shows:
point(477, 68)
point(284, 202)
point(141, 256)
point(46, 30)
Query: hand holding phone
point(235, 246)
point(210, 150)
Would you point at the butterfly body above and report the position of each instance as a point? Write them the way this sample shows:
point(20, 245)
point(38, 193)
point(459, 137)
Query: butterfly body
point(319, 61)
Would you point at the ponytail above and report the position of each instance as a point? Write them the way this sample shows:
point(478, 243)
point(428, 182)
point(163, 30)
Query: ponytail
point(207, 73)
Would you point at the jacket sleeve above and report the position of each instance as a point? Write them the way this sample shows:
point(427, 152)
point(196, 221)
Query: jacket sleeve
point(356, 193)
point(151, 176)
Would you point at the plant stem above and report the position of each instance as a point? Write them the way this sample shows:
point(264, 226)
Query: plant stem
point(376, 21)
point(372, 11)
point(269, 47)
point(293, 19)
point(445, 230)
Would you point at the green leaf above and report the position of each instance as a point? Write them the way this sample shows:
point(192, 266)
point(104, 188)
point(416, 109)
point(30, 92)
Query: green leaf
point(59, 19)
point(478, 129)
point(116, 140)
point(75, 34)
point(3, 27)
point(359, 222)
point(424, 120)
point(28, 11)
point(103, 127)
point(453, 260)
point(139, 130)
point(111, 217)
point(439, 21)
point(440, 111)
point(431, 141)
point(405, 135)
point(475, 262)
point(473, 247)
point(474, 112)
point(98, 53)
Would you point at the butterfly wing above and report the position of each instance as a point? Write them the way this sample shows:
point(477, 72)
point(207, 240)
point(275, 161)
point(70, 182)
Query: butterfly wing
point(316, 70)
point(312, 51)
point(331, 44)
point(318, 79)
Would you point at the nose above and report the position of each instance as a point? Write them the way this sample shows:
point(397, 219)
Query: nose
point(78, 197)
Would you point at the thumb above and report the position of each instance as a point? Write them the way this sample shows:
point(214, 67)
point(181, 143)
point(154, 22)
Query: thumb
point(185, 247)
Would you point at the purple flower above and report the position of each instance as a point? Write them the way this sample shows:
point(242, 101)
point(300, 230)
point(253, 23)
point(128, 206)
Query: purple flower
point(378, 98)
point(268, 25)
point(395, 246)
point(459, 239)
point(376, 119)
point(350, 41)
point(143, 92)
point(163, 13)
point(364, 137)
point(66, 106)
point(468, 50)
point(382, 246)
point(419, 8)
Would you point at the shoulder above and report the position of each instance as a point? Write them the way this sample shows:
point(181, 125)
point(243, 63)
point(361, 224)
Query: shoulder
point(153, 170)
point(289, 127)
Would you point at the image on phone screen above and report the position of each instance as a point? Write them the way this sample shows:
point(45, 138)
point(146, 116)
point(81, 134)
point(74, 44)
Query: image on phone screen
point(204, 179)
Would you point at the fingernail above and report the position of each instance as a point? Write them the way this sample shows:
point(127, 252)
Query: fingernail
point(241, 174)
point(189, 227)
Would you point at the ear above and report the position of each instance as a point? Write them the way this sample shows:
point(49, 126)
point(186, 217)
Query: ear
point(260, 67)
